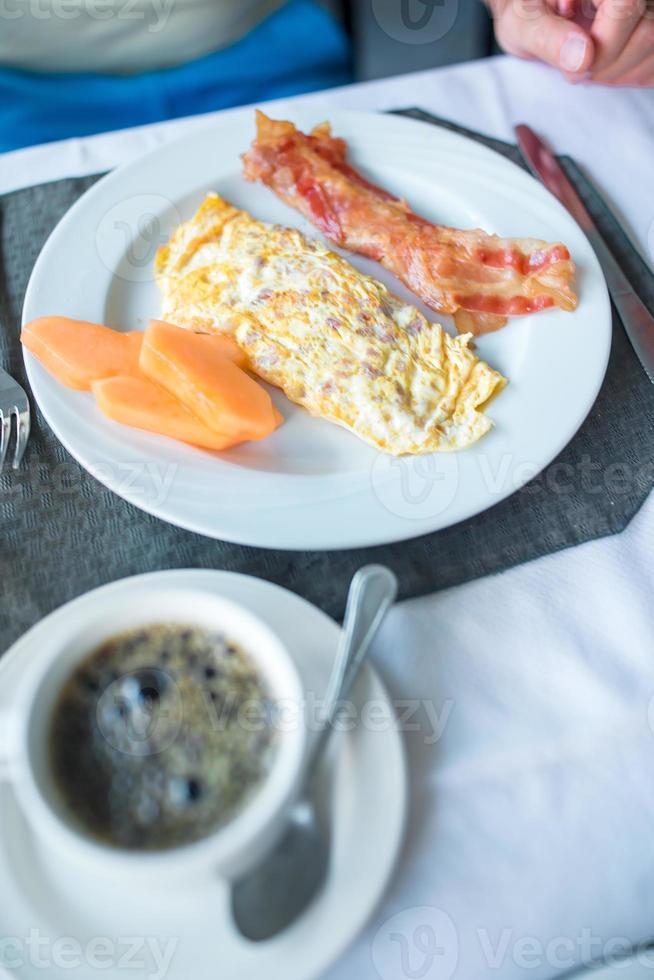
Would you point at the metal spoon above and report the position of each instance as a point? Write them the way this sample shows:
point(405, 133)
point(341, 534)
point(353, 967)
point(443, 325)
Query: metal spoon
point(271, 896)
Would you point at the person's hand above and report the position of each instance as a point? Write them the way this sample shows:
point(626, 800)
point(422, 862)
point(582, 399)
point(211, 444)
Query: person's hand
point(606, 41)
point(623, 35)
point(545, 30)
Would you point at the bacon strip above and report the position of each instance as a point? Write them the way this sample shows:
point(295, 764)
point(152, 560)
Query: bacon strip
point(481, 279)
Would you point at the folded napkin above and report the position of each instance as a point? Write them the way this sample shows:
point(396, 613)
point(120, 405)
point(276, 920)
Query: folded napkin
point(63, 533)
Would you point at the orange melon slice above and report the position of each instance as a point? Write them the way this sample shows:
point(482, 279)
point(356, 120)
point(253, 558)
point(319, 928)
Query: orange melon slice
point(222, 343)
point(77, 353)
point(193, 367)
point(142, 404)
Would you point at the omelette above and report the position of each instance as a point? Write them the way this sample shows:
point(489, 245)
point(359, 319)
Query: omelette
point(336, 341)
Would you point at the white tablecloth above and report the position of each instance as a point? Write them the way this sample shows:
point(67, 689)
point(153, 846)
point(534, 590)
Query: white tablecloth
point(532, 815)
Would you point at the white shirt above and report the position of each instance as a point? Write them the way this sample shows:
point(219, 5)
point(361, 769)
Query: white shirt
point(120, 36)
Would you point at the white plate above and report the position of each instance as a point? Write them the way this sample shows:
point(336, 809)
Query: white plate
point(311, 484)
point(365, 782)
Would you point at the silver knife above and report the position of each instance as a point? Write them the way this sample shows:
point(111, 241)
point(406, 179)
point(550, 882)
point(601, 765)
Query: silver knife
point(638, 321)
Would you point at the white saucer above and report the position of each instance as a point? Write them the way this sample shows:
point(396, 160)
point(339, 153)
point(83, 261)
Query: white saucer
point(365, 781)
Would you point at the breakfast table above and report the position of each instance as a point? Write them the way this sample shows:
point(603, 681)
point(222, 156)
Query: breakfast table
point(526, 697)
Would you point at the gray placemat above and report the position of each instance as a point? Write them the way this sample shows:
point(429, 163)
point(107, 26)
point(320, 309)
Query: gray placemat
point(62, 533)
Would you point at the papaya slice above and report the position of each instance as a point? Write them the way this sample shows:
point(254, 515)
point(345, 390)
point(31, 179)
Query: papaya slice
point(142, 404)
point(194, 368)
point(221, 342)
point(78, 353)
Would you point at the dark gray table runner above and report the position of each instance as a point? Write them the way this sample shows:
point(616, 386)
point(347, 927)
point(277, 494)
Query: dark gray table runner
point(62, 533)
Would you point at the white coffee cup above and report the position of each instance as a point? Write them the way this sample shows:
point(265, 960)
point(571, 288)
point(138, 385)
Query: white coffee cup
point(232, 847)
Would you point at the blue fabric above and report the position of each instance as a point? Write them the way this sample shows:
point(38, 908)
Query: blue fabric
point(299, 48)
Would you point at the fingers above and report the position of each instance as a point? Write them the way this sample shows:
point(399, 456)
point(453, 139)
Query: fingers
point(644, 75)
point(531, 29)
point(629, 60)
point(641, 75)
point(615, 24)
point(566, 8)
point(607, 41)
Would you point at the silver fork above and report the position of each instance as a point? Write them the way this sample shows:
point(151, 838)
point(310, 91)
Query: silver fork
point(13, 403)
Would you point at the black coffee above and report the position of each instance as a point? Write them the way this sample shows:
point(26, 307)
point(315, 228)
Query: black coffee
point(160, 736)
